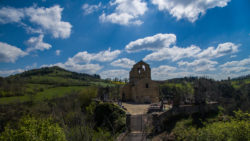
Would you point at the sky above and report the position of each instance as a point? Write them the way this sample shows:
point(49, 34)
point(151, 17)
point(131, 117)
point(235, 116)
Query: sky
point(177, 38)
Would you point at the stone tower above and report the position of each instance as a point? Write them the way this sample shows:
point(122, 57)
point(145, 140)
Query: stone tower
point(140, 89)
point(140, 70)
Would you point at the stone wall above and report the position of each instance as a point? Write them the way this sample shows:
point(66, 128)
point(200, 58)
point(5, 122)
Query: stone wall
point(140, 89)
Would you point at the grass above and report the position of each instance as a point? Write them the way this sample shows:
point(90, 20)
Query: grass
point(237, 84)
point(103, 84)
point(40, 96)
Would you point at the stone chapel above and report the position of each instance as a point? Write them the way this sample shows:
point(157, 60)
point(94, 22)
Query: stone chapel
point(140, 89)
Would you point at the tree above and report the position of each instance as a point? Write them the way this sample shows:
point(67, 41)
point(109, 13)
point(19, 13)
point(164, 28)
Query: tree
point(32, 129)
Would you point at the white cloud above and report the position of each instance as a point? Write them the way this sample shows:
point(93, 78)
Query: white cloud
point(36, 43)
point(236, 66)
point(10, 72)
point(244, 62)
point(49, 20)
point(83, 68)
point(58, 52)
point(199, 65)
point(175, 53)
point(103, 56)
point(81, 61)
point(88, 9)
point(114, 74)
point(163, 70)
point(10, 15)
point(221, 50)
point(190, 9)
point(9, 53)
point(155, 42)
point(163, 48)
point(123, 62)
point(126, 12)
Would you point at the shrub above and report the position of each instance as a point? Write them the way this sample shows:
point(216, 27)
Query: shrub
point(86, 95)
point(32, 129)
point(236, 129)
point(110, 117)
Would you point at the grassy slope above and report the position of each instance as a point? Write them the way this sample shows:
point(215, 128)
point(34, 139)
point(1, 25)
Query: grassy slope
point(40, 96)
point(48, 83)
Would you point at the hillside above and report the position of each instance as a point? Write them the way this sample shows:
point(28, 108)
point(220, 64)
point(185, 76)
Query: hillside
point(45, 83)
point(52, 75)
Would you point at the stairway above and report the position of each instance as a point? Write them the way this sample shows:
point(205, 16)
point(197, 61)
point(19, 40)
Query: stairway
point(137, 128)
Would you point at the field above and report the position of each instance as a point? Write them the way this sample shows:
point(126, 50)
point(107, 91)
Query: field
point(47, 94)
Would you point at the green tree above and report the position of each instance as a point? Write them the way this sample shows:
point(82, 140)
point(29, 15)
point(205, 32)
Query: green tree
point(32, 129)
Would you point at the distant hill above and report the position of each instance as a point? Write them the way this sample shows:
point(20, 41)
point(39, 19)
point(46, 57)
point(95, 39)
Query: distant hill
point(54, 71)
point(246, 77)
point(54, 75)
point(46, 83)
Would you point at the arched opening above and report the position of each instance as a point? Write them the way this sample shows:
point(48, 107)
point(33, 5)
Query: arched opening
point(147, 85)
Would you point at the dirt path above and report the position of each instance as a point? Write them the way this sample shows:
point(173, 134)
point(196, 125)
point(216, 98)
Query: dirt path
point(136, 109)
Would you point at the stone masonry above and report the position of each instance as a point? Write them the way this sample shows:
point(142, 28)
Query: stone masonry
point(140, 89)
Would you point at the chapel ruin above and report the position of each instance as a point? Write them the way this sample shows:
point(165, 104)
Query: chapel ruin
point(140, 89)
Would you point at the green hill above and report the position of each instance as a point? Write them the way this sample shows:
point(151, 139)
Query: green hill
point(54, 75)
point(45, 83)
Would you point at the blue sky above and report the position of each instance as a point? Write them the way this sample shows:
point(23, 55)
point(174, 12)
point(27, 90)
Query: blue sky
point(176, 37)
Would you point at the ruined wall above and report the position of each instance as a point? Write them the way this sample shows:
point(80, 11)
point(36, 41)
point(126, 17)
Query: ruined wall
point(146, 90)
point(140, 89)
point(140, 70)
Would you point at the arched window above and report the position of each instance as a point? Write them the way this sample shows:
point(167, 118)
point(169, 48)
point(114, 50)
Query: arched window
point(146, 85)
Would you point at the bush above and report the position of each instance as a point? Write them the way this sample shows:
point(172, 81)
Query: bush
point(86, 95)
point(110, 116)
point(235, 129)
point(32, 129)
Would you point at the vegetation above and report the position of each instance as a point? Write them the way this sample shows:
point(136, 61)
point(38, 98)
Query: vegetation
point(59, 104)
point(32, 129)
point(56, 104)
point(110, 117)
point(233, 128)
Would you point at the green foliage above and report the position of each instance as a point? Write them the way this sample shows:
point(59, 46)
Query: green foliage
point(182, 91)
point(102, 135)
point(110, 116)
point(235, 129)
point(32, 129)
point(47, 94)
point(86, 96)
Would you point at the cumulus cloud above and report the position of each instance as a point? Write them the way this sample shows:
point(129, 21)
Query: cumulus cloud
point(10, 15)
point(89, 9)
point(9, 53)
point(163, 70)
point(48, 20)
point(236, 66)
point(10, 72)
point(155, 42)
point(123, 62)
point(199, 65)
point(114, 74)
point(189, 9)
point(58, 52)
point(163, 48)
point(81, 62)
point(175, 53)
point(221, 50)
point(83, 68)
point(36, 43)
point(103, 56)
point(126, 12)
